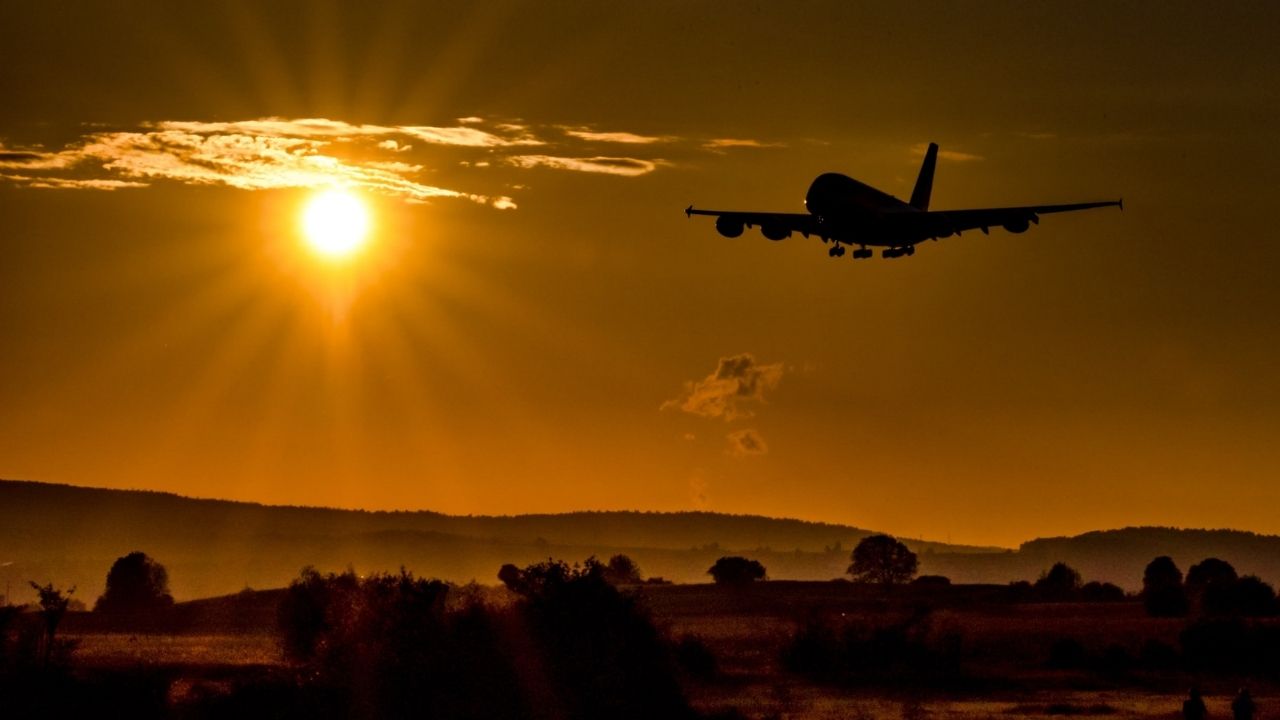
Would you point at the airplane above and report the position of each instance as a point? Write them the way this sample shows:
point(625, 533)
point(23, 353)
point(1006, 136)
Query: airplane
point(844, 211)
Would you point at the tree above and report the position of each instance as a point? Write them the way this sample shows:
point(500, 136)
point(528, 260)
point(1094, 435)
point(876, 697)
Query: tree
point(882, 559)
point(135, 584)
point(1162, 591)
point(511, 577)
point(736, 570)
point(53, 606)
point(1095, 591)
point(1060, 583)
point(1207, 572)
point(1253, 597)
point(1211, 586)
point(622, 570)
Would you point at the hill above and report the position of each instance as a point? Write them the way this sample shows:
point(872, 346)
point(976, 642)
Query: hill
point(71, 535)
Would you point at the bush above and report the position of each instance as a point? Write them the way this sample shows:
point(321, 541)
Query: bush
point(1059, 584)
point(1101, 592)
point(695, 658)
point(1231, 644)
point(911, 650)
point(393, 646)
point(736, 570)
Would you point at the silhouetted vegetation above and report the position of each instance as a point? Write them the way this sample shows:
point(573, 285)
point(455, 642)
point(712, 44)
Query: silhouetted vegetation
point(696, 659)
point(883, 649)
point(1059, 583)
point(736, 570)
point(932, 581)
point(1162, 591)
point(622, 570)
point(397, 646)
point(882, 559)
point(1232, 645)
point(1095, 591)
point(53, 607)
point(135, 584)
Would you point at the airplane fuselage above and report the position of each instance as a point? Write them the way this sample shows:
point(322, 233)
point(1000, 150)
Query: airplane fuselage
point(850, 211)
point(843, 211)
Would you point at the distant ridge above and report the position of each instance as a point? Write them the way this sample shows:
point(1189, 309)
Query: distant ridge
point(71, 535)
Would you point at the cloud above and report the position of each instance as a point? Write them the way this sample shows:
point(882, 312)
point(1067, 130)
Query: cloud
point(746, 442)
point(67, 183)
point(625, 138)
point(33, 159)
point(262, 154)
point(723, 143)
point(737, 381)
point(955, 155)
point(629, 167)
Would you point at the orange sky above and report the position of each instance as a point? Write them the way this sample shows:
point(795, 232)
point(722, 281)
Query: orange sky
point(534, 323)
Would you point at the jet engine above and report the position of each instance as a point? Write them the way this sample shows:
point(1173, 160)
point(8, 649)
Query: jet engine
point(775, 232)
point(729, 226)
point(1017, 226)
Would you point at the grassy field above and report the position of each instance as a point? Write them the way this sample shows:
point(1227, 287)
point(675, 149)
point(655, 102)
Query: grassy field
point(1005, 650)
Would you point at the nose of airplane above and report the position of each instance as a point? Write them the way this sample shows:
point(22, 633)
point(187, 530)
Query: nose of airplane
point(826, 193)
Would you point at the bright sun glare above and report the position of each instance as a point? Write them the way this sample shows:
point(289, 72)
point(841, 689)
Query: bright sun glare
point(335, 223)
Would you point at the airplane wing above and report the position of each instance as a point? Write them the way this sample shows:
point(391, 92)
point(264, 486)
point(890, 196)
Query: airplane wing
point(941, 223)
point(779, 224)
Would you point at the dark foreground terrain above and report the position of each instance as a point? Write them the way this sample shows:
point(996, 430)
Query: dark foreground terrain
point(780, 649)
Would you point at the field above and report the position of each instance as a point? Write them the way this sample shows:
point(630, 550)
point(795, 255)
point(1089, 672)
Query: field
point(1006, 650)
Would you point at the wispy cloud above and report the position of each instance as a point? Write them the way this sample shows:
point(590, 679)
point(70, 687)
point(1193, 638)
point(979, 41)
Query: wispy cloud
point(737, 382)
point(33, 159)
point(919, 150)
point(68, 183)
point(743, 443)
point(275, 153)
point(624, 138)
point(261, 154)
point(629, 167)
point(724, 143)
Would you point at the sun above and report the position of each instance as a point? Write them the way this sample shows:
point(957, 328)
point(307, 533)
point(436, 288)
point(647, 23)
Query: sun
point(335, 223)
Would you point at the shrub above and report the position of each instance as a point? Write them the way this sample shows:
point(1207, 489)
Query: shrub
point(392, 646)
point(736, 570)
point(911, 650)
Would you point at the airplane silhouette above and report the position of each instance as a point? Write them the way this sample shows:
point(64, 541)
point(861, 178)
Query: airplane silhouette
point(845, 211)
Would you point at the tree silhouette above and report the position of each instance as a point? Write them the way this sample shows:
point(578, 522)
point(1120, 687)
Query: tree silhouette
point(135, 584)
point(1095, 591)
point(622, 570)
point(1162, 591)
point(53, 606)
point(1253, 598)
point(736, 570)
point(1060, 583)
point(884, 560)
point(1210, 571)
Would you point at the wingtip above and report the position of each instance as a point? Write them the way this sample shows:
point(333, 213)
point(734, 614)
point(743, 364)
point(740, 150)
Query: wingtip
point(688, 212)
point(1120, 202)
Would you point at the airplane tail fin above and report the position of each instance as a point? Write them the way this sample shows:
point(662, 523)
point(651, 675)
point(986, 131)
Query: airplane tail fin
point(924, 183)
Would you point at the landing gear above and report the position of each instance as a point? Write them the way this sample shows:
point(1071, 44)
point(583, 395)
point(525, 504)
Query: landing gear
point(898, 251)
point(835, 251)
